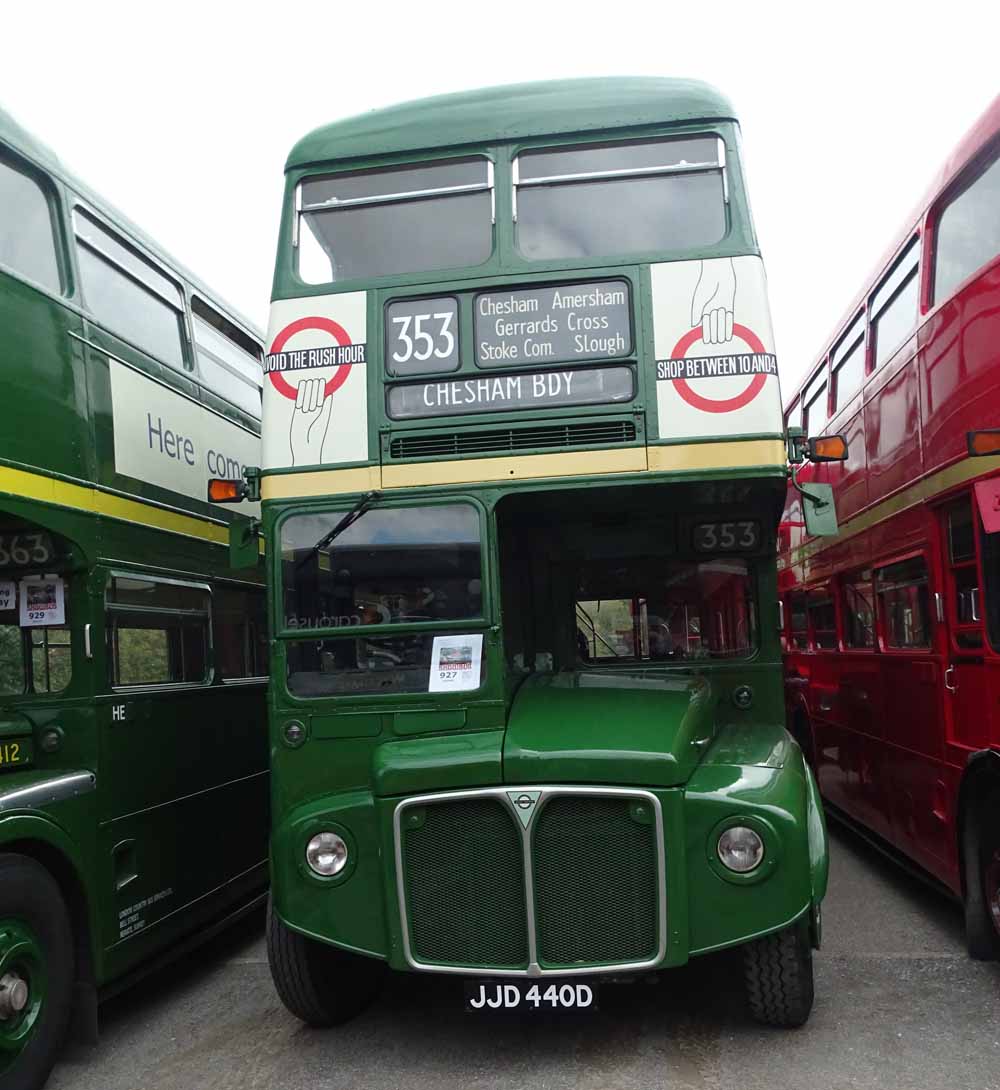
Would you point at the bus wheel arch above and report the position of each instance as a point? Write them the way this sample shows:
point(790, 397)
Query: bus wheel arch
point(979, 853)
point(36, 838)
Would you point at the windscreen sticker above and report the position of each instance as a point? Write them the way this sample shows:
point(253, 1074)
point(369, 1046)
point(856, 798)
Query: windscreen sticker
point(315, 388)
point(42, 601)
point(455, 663)
point(716, 370)
point(8, 595)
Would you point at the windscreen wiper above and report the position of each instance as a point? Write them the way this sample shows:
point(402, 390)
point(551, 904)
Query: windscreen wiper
point(366, 503)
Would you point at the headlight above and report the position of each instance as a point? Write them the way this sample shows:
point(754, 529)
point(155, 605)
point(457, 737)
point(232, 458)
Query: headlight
point(740, 849)
point(326, 854)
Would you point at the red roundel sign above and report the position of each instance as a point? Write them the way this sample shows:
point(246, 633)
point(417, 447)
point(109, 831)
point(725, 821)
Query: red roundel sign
point(727, 404)
point(327, 325)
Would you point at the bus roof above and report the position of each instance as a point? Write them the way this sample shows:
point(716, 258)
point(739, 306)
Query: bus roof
point(16, 136)
point(512, 112)
point(983, 131)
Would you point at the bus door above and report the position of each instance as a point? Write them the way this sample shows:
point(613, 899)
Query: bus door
point(160, 755)
point(969, 675)
point(912, 670)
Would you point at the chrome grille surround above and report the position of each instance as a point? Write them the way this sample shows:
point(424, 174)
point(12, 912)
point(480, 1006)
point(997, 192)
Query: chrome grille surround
point(506, 794)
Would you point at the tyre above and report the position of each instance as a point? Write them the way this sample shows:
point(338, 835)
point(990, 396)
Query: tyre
point(36, 972)
point(981, 863)
point(322, 985)
point(778, 974)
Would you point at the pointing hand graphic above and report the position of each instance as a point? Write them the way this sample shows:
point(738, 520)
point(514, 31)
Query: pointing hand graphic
point(712, 305)
point(310, 421)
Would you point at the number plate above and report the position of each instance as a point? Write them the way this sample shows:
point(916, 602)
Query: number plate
point(16, 753)
point(488, 996)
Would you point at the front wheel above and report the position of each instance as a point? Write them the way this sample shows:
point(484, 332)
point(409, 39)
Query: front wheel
point(322, 985)
point(36, 972)
point(778, 974)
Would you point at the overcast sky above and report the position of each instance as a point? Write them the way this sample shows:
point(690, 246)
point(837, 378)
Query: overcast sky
point(182, 114)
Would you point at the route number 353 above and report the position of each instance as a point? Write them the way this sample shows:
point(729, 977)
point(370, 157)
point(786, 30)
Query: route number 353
point(422, 335)
point(726, 537)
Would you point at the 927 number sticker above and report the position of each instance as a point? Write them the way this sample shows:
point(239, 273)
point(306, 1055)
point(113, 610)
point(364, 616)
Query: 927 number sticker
point(726, 537)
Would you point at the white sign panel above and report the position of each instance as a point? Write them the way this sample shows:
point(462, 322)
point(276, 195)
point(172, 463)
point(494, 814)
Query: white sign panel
point(716, 368)
point(316, 382)
point(169, 440)
point(455, 663)
point(42, 601)
point(8, 595)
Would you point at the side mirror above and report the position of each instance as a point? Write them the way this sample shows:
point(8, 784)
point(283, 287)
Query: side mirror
point(827, 448)
point(818, 510)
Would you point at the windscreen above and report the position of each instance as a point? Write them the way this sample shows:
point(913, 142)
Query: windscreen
point(403, 573)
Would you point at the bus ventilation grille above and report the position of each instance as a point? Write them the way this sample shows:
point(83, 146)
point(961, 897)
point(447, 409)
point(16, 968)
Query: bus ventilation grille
point(585, 913)
point(603, 432)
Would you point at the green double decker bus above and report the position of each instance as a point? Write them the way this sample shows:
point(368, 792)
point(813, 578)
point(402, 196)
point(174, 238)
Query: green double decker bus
point(133, 753)
point(523, 466)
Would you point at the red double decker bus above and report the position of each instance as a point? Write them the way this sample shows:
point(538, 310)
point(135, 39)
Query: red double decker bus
point(892, 628)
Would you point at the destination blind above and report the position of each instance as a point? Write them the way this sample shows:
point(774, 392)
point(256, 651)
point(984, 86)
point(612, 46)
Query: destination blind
point(497, 393)
point(583, 321)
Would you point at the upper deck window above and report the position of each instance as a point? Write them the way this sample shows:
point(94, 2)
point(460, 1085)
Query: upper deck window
point(228, 360)
point(617, 199)
point(894, 305)
point(129, 294)
point(369, 223)
point(27, 236)
point(847, 362)
point(968, 233)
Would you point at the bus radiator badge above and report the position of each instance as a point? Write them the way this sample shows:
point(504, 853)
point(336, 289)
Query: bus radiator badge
point(524, 805)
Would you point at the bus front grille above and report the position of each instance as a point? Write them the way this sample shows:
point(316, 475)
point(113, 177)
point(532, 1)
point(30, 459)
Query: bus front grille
point(596, 897)
point(596, 884)
point(498, 440)
point(464, 876)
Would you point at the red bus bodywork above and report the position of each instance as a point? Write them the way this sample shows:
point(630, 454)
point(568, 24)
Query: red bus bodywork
point(892, 628)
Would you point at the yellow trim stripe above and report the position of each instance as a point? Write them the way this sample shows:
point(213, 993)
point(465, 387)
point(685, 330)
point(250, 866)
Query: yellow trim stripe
point(688, 457)
point(734, 454)
point(37, 486)
point(966, 469)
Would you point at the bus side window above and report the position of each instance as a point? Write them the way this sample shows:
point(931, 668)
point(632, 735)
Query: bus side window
point(157, 632)
point(240, 630)
point(27, 232)
point(822, 619)
point(51, 666)
point(968, 232)
point(228, 360)
point(903, 604)
point(859, 613)
point(798, 630)
point(894, 305)
point(12, 663)
point(128, 294)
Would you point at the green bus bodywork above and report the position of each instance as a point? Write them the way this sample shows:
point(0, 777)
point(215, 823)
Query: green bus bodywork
point(144, 804)
point(696, 740)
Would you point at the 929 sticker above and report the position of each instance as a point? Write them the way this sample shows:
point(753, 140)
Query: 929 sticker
point(742, 536)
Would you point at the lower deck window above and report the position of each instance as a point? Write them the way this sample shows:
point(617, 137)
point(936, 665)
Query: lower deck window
point(903, 604)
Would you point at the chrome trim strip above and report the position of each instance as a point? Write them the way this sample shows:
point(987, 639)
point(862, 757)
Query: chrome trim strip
point(334, 204)
point(625, 172)
point(39, 794)
point(546, 792)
